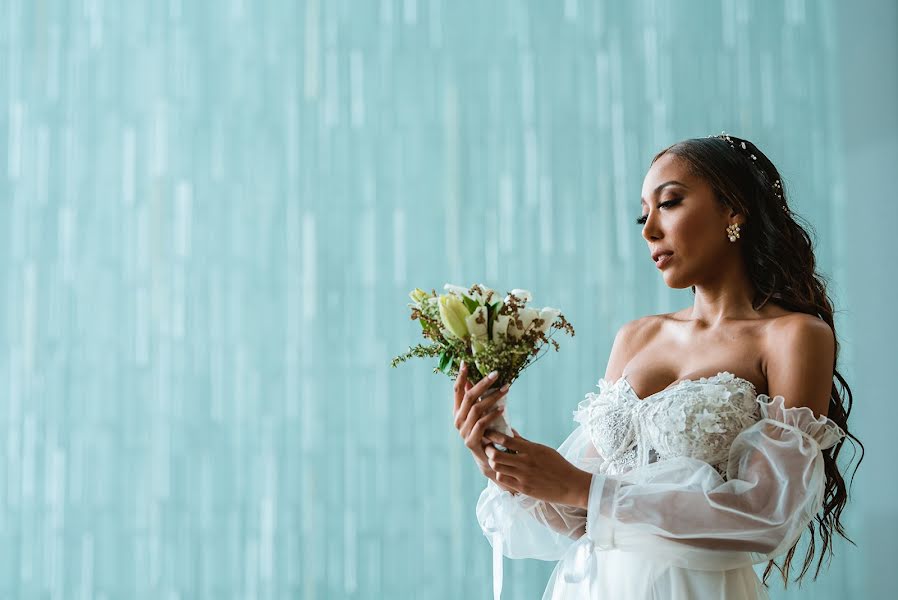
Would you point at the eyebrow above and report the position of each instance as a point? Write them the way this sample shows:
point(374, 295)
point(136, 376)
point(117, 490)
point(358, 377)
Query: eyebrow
point(662, 186)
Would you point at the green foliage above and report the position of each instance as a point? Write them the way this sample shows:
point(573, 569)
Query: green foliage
point(506, 355)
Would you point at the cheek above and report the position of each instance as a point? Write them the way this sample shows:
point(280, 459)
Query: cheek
point(694, 229)
point(692, 237)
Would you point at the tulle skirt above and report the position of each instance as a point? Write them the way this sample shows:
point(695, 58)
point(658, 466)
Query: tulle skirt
point(619, 574)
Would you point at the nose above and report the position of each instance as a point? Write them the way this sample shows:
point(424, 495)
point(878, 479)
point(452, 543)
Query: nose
point(651, 229)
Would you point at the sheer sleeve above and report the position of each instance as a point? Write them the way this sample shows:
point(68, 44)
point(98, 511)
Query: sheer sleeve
point(682, 509)
point(520, 526)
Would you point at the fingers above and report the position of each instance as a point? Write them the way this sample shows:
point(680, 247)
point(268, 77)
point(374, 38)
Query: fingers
point(512, 443)
point(475, 432)
point(481, 408)
point(502, 461)
point(474, 439)
point(502, 482)
point(484, 384)
point(461, 385)
point(509, 482)
point(471, 396)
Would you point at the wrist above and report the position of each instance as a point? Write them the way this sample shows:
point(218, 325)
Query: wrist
point(580, 491)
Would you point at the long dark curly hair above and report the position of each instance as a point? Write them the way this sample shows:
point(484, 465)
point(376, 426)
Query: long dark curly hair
point(779, 255)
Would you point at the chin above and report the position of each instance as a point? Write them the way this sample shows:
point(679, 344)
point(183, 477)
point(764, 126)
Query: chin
point(674, 282)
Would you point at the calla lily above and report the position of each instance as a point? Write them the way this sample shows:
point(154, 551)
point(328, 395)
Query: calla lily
point(523, 296)
point(477, 330)
point(548, 315)
point(453, 314)
point(527, 316)
point(500, 328)
point(485, 295)
point(456, 289)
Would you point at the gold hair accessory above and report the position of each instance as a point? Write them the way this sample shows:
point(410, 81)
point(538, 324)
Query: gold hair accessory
point(777, 185)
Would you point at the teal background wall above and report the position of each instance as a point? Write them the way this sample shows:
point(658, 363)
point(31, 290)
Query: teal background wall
point(212, 213)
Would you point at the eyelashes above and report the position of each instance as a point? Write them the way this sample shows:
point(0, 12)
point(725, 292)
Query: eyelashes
point(641, 220)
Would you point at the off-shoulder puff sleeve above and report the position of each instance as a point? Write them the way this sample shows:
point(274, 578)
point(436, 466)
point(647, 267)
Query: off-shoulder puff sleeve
point(520, 526)
point(682, 509)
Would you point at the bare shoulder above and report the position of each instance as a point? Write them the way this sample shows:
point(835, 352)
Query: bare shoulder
point(797, 328)
point(799, 359)
point(631, 336)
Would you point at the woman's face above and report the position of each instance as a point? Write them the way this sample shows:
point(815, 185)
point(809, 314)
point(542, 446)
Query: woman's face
point(680, 216)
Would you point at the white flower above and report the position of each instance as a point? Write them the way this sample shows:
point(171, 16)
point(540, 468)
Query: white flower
point(477, 330)
point(481, 297)
point(456, 289)
point(485, 295)
point(548, 315)
point(523, 296)
point(526, 316)
point(500, 328)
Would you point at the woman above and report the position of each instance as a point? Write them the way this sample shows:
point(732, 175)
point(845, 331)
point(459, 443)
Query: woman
point(712, 442)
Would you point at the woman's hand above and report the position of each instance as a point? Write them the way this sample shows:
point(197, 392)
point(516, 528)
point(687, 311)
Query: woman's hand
point(472, 417)
point(537, 470)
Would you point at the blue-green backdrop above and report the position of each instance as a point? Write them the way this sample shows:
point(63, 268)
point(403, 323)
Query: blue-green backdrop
point(212, 213)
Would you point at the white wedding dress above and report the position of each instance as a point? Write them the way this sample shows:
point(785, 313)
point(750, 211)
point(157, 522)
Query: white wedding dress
point(691, 487)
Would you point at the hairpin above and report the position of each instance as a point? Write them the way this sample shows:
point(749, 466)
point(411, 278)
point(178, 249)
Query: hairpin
point(777, 185)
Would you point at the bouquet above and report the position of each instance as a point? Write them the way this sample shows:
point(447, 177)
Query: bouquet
point(488, 334)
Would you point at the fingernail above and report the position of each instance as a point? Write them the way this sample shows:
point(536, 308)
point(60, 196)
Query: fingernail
point(493, 375)
point(503, 388)
point(501, 409)
point(462, 365)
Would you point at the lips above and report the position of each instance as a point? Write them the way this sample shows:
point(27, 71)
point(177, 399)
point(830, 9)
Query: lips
point(664, 260)
point(659, 253)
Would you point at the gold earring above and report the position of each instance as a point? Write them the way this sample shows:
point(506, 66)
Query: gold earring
point(733, 231)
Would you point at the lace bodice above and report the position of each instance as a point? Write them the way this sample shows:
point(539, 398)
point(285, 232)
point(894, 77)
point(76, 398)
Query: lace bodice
point(695, 418)
point(654, 496)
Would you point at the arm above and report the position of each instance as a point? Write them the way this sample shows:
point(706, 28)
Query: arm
point(520, 526)
point(534, 528)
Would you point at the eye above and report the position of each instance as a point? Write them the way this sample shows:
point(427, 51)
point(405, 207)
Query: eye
point(641, 220)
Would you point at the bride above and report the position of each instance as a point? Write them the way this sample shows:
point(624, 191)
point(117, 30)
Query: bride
point(712, 441)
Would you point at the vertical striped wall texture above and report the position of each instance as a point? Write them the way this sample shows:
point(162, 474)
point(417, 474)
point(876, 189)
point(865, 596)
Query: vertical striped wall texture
point(212, 213)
